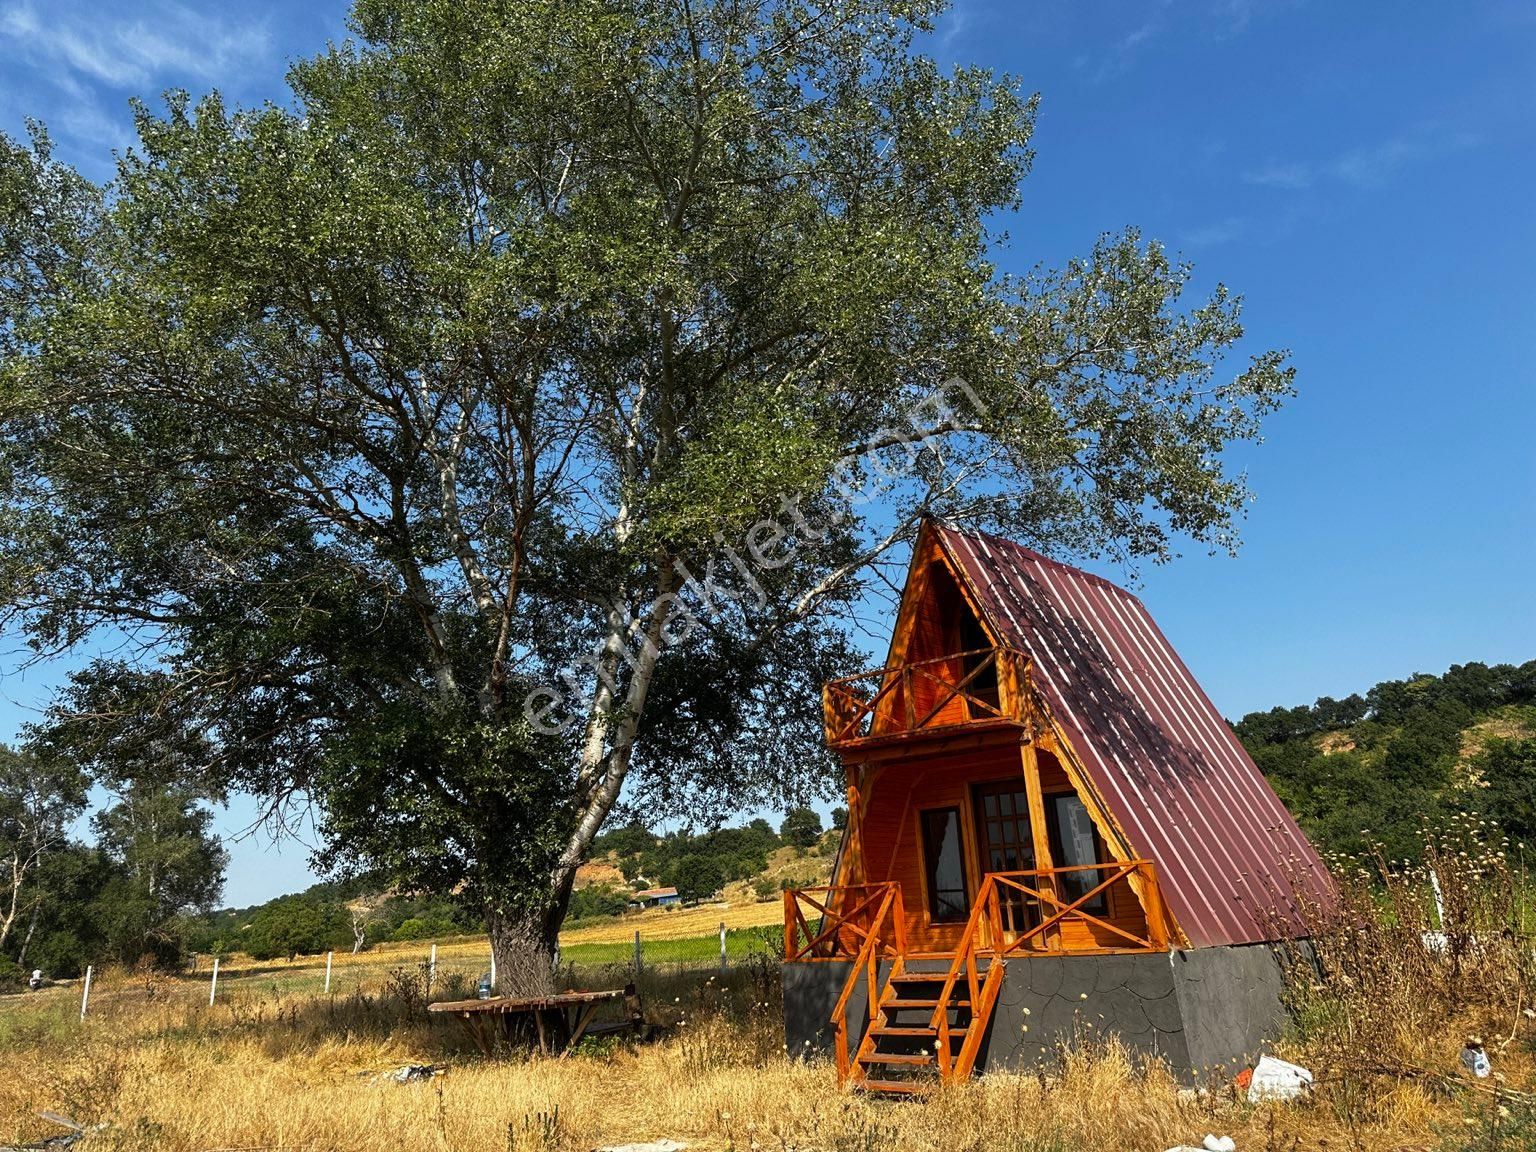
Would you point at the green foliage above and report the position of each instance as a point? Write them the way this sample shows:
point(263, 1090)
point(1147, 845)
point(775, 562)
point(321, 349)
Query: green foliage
point(40, 794)
point(598, 900)
point(695, 877)
point(156, 828)
point(1508, 772)
point(294, 925)
point(736, 853)
point(420, 918)
point(801, 828)
point(1374, 770)
point(633, 839)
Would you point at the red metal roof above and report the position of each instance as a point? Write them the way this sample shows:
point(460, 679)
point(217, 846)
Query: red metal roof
point(1167, 765)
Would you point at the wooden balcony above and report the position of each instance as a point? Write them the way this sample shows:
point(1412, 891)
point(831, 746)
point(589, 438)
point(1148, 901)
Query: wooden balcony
point(982, 686)
point(1043, 912)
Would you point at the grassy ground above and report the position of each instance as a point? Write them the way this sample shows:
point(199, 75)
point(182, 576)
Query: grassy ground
point(277, 1065)
point(264, 1070)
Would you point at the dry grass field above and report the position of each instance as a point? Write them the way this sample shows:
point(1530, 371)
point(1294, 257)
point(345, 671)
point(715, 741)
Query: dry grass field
point(1380, 1018)
point(303, 1072)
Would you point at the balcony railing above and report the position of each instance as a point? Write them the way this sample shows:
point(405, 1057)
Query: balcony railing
point(986, 684)
point(1029, 912)
point(1024, 912)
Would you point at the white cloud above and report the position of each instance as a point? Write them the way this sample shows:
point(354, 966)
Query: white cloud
point(1373, 165)
point(162, 40)
point(1275, 174)
point(1118, 56)
point(1368, 165)
point(954, 24)
point(1217, 232)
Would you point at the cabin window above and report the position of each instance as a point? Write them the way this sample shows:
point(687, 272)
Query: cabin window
point(1075, 841)
point(944, 865)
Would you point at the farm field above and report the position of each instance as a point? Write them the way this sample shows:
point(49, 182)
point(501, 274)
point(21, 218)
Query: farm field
point(670, 938)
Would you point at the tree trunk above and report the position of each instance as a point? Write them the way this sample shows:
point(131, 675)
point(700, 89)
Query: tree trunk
point(524, 947)
point(21, 957)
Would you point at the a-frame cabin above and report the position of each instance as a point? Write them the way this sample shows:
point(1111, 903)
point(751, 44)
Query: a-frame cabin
point(1050, 830)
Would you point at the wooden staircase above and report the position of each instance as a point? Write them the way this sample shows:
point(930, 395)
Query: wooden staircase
point(927, 1025)
point(925, 1021)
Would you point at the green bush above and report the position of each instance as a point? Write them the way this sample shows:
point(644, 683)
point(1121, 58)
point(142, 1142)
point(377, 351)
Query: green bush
point(294, 925)
point(604, 899)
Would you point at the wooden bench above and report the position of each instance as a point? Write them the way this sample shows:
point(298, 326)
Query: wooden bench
point(555, 1023)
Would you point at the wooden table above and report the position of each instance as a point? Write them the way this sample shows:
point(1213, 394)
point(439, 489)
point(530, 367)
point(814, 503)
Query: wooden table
point(555, 1022)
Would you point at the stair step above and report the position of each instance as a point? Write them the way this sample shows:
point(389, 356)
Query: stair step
point(896, 1004)
point(898, 1087)
point(919, 978)
point(897, 1058)
point(916, 1033)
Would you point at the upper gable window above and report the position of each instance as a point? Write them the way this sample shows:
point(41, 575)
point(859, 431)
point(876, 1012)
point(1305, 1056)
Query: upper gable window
point(945, 626)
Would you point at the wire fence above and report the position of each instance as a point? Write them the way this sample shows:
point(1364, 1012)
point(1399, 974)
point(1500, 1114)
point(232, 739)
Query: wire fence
point(444, 970)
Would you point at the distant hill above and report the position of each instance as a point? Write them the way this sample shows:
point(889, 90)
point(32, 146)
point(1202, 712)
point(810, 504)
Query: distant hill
point(740, 865)
point(1375, 768)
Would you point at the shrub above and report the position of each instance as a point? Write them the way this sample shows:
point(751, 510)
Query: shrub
point(293, 925)
point(1388, 986)
point(604, 899)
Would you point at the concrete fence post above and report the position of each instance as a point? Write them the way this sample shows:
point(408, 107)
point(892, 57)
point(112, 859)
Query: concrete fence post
point(213, 984)
point(328, 956)
point(432, 970)
point(85, 997)
point(639, 958)
point(722, 945)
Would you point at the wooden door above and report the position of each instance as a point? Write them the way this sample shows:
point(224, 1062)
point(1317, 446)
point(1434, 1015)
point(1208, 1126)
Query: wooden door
point(1006, 843)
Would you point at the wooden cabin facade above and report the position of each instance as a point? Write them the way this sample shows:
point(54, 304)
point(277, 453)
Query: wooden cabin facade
point(1034, 777)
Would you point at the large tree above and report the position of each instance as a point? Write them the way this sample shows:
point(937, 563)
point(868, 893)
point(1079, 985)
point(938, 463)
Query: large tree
point(513, 420)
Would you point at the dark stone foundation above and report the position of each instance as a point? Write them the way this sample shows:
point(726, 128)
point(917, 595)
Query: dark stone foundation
point(1204, 1012)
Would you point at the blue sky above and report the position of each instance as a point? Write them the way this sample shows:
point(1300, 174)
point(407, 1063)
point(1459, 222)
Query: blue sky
point(1364, 175)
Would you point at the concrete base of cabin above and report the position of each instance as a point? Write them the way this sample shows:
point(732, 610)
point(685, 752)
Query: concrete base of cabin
point(1205, 1011)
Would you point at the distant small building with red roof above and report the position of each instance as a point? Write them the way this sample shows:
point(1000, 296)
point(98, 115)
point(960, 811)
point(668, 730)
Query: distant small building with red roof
point(654, 898)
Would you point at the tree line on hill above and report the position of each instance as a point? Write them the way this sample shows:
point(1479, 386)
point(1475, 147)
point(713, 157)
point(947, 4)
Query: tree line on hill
point(1370, 772)
point(698, 864)
point(326, 917)
point(141, 888)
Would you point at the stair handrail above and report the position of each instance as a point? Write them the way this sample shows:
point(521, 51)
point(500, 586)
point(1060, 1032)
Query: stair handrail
point(854, 903)
point(964, 962)
point(867, 966)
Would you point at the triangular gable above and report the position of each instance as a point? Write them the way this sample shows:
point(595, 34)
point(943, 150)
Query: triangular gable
point(1167, 766)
